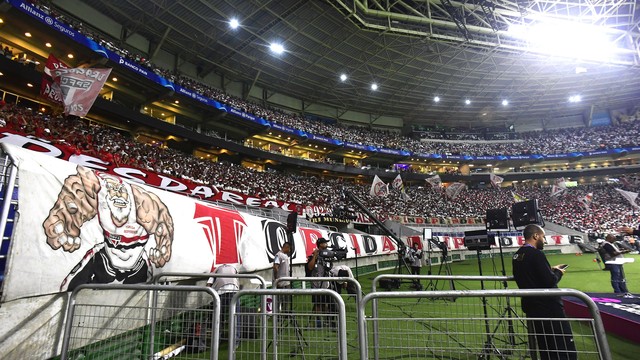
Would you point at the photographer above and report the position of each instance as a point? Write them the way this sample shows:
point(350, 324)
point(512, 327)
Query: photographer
point(318, 266)
point(414, 259)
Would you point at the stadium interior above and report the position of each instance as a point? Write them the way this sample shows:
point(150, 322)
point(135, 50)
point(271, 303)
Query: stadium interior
point(276, 106)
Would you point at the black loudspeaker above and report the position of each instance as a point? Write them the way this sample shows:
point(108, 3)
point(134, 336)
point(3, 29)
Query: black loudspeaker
point(498, 219)
point(292, 222)
point(478, 240)
point(525, 213)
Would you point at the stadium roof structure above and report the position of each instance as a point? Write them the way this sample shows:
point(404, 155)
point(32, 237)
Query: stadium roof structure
point(414, 50)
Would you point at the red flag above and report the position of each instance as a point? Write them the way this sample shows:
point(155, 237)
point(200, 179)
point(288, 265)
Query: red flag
point(50, 89)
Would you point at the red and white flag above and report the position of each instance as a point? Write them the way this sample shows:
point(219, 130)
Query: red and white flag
point(50, 89)
point(435, 182)
point(379, 188)
point(559, 187)
point(398, 185)
point(454, 190)
point(80, 88)
point(586, 201)
point(630, 196)
point(496, 180)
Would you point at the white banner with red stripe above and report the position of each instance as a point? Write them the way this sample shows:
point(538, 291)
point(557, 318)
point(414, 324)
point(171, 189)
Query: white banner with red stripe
point(79, 225)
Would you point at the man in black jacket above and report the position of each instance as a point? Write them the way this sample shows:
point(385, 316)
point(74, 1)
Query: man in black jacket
point(531, 270)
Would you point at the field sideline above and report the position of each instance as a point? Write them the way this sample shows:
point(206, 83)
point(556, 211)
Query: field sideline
point(584, 274)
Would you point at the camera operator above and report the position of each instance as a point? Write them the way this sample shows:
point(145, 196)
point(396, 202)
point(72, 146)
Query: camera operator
point(414, 258)
point(317, 266)
point(343, 271)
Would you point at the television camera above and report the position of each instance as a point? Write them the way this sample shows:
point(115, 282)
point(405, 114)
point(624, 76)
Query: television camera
point(332, 254)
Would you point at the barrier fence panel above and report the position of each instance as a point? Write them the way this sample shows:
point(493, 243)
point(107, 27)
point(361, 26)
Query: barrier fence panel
point(470, 325)
point(249, 304)
point(351, 292)
point(107, 321)
point(297, 329)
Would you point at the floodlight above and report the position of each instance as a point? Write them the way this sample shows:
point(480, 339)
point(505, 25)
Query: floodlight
point(468, 102)
point(567, 38)
point(505, 102)
point(575, 98)
point(234, 23)
point(436, 99)
point(374, 86)
point(277, 48)
point(343, 77)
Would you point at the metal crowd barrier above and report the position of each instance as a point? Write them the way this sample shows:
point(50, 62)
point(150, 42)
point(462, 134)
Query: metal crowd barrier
point(109, 321)
point(296, 331)
point(225, 308)
point(461, 325)
point(351, 302)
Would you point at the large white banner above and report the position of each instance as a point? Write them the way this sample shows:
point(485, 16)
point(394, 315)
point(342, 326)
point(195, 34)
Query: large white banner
point(77, 225)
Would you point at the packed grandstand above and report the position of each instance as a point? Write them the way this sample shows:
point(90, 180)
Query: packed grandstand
point(561, 141)
point(83, 136)
point(606, 212)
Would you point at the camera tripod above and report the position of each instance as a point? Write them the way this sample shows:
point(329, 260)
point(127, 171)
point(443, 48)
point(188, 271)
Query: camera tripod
point(508, 314)
point(433, 285)
point(290, 320)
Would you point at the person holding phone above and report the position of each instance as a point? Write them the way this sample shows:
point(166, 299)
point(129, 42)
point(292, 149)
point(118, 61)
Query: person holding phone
point(614, 265)
point(531, 270)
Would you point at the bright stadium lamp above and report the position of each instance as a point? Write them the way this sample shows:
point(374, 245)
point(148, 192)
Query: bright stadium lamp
point(234, 23)
point(343, 77)
point(374, 86)
point(567, 39)
point(276, 48)
point(468, 102)
point(505, 102)
point(436, 99)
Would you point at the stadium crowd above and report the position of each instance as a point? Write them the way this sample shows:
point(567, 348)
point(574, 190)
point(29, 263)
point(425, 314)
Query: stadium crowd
point(538, 142)
point(607, 209)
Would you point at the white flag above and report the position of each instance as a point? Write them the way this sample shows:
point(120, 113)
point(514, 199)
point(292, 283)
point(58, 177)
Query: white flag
point(630, 196)
point(378, 187)
point(496, 180)
point(454, 190)
point(435, 182)
point(561, 183)
point(397, 183)
point(557, 190)
point(586, 201)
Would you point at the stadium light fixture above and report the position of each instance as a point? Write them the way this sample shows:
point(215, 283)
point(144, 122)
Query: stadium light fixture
point(27, 34)
point(575, 98)
point(234, 23)
point(436, 99)
point(505, 102)
point(48, 45)
point(374, 86)
point(343, 77)
point(567, 39)
point(276, 48)
point(468, 102)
